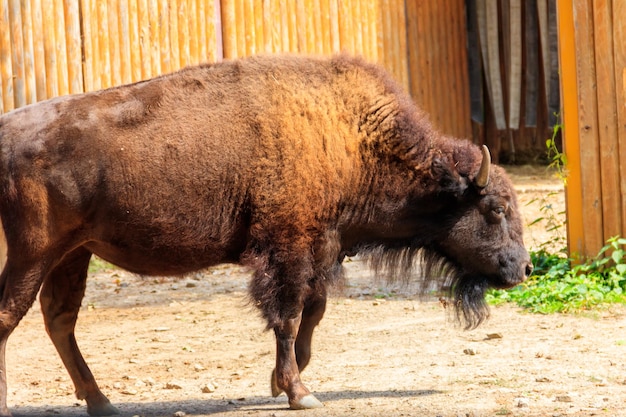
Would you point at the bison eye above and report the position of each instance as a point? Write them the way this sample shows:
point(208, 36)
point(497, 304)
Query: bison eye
point(499, 211)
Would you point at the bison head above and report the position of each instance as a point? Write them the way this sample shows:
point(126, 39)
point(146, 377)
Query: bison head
point(481, 239)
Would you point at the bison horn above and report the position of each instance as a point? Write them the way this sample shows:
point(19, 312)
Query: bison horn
point(482, 178)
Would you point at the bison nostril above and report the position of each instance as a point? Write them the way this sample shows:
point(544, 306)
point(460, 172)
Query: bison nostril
point(529, 269)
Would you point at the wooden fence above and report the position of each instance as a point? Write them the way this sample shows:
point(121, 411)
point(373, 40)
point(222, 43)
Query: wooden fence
point(55, 47)
point(592, 37)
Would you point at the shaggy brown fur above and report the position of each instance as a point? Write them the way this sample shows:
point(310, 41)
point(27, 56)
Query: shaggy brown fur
point(285, 164)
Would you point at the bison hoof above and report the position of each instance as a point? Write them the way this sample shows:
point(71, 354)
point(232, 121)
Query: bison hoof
point(308, 401)
point(104, 409)
point(276, 390)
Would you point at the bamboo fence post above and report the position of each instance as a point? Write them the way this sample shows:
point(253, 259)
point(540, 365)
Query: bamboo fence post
point(301, 25)
point(402, 45)
point(88, 67)
point(50, 50)
point(274, 22)
point(17, 58)
point(183, 33)
point(214, 31)
point(288, 31)
point(201, 13)
point(194, 32)
point(39, 55)
point(345, 26)
point(249, 32)
point(115, 42)
point(172, 24)
point(134, 41)
point(142, 31)
point(164, 38)
point(30, 81)
point(325, 26)
point(61, 45)
point(259, 30)
point(126, 58)
point(240, 28)
point(335, 35)
point(74, 47)
point(373, 30)
point(229, 28)
point(292, 25)
point(153, 41)
point(357, 26)
point(5, 58)
point(104, 57)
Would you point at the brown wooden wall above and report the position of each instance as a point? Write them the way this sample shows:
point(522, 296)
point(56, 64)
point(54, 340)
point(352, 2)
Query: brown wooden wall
point(56, 47)
point(592, 37)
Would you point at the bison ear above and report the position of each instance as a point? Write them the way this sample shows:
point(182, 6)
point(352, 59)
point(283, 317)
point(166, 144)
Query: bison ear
point(448, 178)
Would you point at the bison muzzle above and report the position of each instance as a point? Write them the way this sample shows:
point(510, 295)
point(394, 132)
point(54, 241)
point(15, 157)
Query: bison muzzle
point(284, 164)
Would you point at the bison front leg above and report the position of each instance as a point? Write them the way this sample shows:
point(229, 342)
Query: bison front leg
point(286, 376)
point(314, 309)
point(61, 296)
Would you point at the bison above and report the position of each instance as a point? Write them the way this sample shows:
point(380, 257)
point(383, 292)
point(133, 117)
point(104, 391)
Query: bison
point(285, 164)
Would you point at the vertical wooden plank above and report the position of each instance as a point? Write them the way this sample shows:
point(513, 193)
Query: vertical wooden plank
point(619, 56)
point(143, 31)
point(124, 36)
point(345, 26)
point(74, 47)
point(240, 25)
point(30, 82)
point(372, 13)
point(357, 27)
point(259, 29)
point(325, 26)
point(39, 55)
point(214, 32)
point(318, 38)
point(88, 67)
point(301, 24)
point(288, 26)
point(95, 44)
point(194, 29)
point(5, 58)
point(588, 119)
point(114, 41)
point(607, 118)
point(153, 41)
point(61, 45)
point(402, 45)
point(17, 49)
point(183, 33)
point(249, 32)
point(175, 55)
point(515, 63)
point(413, 51)
point(267, 27)
point(167, 61)
point(462, 68)
point(229, 28)
point(569, 98)
point(203, 45)
point(50, 50)
point(137, 67)
point(335, 35)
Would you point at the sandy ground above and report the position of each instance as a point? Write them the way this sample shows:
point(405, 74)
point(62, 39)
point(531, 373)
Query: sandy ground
point(165, 347)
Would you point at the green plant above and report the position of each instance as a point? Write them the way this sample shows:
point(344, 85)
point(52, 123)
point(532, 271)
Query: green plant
point(557, 159)
point(559, 285)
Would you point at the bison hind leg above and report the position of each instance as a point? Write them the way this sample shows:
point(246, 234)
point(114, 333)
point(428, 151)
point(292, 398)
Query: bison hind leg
point(61, 296)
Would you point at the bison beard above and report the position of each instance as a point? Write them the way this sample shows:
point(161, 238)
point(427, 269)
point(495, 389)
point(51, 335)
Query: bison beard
point(433, 274)
point(284, 164)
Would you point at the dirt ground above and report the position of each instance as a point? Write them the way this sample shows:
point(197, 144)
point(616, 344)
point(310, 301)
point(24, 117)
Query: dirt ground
point(165, 347)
